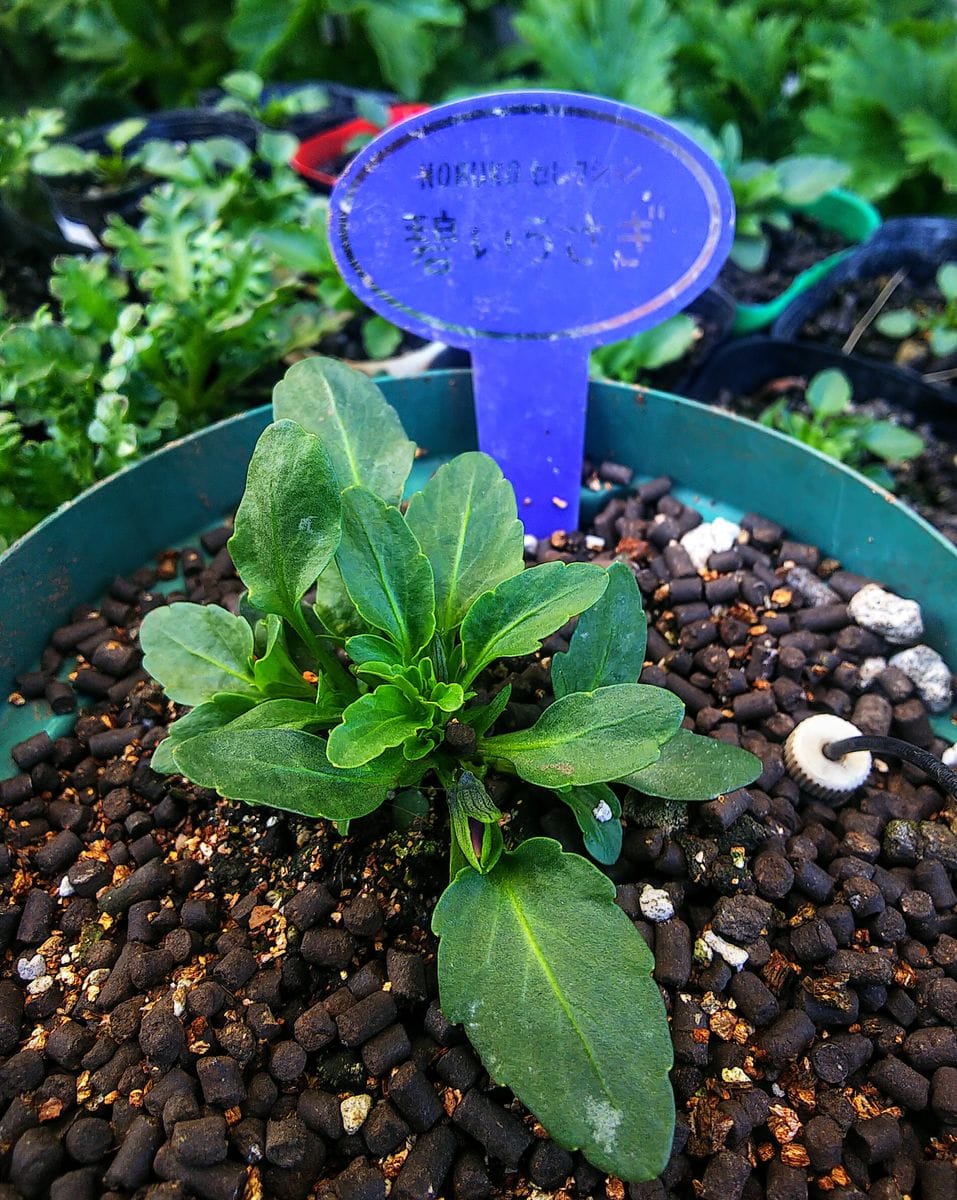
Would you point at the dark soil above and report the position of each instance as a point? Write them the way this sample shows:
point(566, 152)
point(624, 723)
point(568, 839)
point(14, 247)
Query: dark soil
point(928, 483)
point(792, 251)
point(24, 279)
point(346, 343)
point(834, 323)
point(191, 988)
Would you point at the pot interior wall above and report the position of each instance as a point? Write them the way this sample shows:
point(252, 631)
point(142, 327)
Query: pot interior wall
point(724, 465)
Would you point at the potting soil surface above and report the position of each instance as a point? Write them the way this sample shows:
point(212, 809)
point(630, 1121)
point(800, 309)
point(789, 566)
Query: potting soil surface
point(792, 251)
point(200, 998)
point(838, 319)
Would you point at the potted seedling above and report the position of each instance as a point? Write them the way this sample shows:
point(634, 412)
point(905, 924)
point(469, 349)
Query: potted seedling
point(793, 221)
point(316, 936)
point(102, 171)
point(421, 604)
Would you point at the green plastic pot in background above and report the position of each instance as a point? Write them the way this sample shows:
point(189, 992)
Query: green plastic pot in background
point(844, 212)
point(722, 464)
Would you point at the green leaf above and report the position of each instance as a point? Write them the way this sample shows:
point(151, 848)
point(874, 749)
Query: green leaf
point(287, 714)
point(947, 280)
point(202, 719)
point(466, 522)
point(536, 955)
point(375, 722)
point(64, 159)
point(598, 812)
point(898, 323)
point(943, 342)
point(590, 737)
point(750, 253)
point(474, 820)
point(369, 647)
point(692, 767)
point(805, 178)
point(608, 645)
point(380, 338)
point(361, 432)
point(274, 671)
point(284, 768)
point(891, 442)
point(195, 650)
point(333, 605)
point(514, 617)
point(483, 716)
point(385, 571)
point(287, 524)
point(829, 393)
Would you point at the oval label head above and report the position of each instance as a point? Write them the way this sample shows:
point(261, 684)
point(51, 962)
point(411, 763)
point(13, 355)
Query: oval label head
point(530, 216)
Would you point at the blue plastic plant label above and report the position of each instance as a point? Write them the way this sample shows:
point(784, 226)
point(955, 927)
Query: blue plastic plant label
point(528, 227)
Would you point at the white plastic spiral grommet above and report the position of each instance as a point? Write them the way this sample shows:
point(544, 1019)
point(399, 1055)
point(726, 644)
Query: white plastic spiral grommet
point(812, 770)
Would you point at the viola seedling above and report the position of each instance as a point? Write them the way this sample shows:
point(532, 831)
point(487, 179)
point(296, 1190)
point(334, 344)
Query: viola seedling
point(109, 169)
point(834, 428)
point(379, 681)
point(938, 328)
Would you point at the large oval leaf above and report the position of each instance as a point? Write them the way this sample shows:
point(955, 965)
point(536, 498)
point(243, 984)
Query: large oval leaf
point(608, 645)
point(514, 617)
point(553, 985)
point(287, 524)
point(385, 571)
point(590, 737)
point(362, 433)
point(692, 767)
point(283, 768)
point(197, 650)
point(466, 521)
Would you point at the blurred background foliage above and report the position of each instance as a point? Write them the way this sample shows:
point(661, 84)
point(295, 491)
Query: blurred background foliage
point(873, 82)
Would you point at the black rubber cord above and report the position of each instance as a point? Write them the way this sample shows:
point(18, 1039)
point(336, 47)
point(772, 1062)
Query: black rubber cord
point(895, 748)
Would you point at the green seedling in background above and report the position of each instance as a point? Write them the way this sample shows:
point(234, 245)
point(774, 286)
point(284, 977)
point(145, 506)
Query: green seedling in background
point(629, 361)
point(836, 430)
point(378, 683)
point(243, 92)
point(938, 328)
point(110, 169)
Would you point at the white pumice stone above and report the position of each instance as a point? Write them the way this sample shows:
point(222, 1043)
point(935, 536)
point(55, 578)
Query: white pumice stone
point(655, 904)
point(66, 888)
point(593, 542)
point(32, 968)
point(807, 765)
point(869, 670)
point(929, 674)
point(37, 987)
point(711, 537)
point(733, 955)
point(949, 757)
point(354, 1111)
point(602, 812)
point(891, 616)
point(531, 543)
point(814, 590)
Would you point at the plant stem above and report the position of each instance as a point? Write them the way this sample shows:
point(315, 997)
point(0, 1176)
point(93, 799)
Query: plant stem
point(864, 323)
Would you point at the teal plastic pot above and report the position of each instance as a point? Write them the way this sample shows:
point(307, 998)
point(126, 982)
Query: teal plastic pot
point(844, 212)
point(722, 464)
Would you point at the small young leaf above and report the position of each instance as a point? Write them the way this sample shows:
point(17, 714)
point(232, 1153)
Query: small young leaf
point(891, 442)
point(385, 571)
point(375, 722)
point(274, 671)
point(943, 342)
point(369, 647)
point(540, 939)
point(692, 767)
point(362, 433)
point(473, 817)
point(608, 645)
point(466, 523)
point(590, 737)
point(483, 716)
point(897, 323)
point(284, 768)
point(196, 650)
point(829, 393)
point(514, 617)
point(287, 524)
point(947, 280)
point(598, 812)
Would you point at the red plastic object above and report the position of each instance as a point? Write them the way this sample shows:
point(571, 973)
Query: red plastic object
point(318, 158)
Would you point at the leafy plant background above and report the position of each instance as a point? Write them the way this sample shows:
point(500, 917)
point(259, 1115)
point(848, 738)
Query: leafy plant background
point(872, 82)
